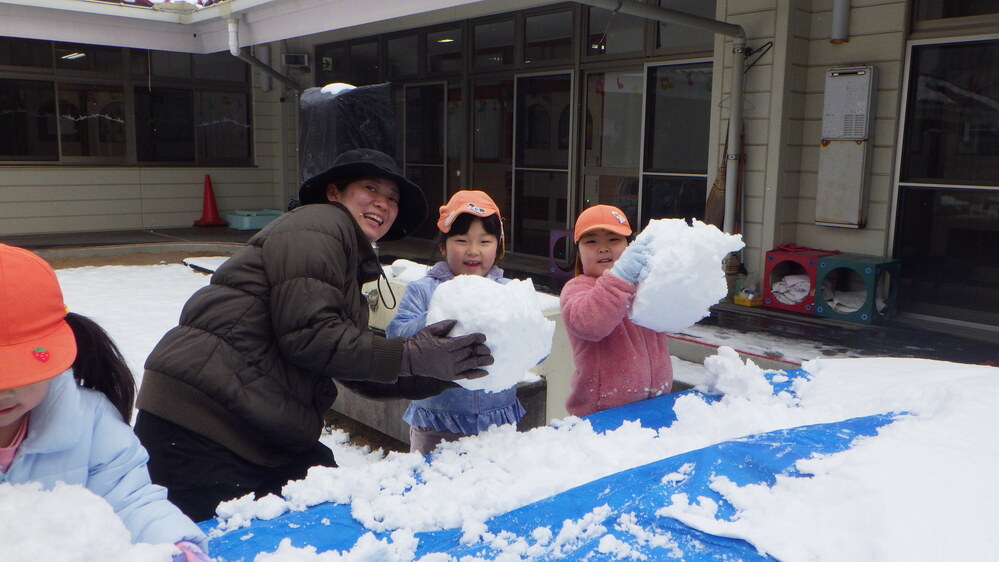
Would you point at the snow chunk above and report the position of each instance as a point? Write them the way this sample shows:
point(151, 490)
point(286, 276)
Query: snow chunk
point(685, 274)
point(517, 332)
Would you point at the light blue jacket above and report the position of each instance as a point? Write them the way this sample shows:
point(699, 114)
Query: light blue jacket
point(457, 410)
point(76, 436)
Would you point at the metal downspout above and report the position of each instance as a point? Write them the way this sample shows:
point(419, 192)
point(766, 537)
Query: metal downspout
point(244, 54)
point(655, 13)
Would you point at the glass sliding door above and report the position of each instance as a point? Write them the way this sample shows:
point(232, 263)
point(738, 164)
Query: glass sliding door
point(947, 218)
point(677, 117)
point(492, 142)
point(544, 128)
point(612, 140)
point(425, 155)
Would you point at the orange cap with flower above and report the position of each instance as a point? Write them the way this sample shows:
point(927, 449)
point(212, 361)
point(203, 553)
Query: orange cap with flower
point(607, 217)
point(36, 343)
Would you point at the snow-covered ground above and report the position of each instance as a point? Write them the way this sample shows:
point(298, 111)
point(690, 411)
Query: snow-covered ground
point(922, 489)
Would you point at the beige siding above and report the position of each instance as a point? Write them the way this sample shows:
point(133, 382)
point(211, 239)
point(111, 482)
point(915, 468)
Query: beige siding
point(784, 99)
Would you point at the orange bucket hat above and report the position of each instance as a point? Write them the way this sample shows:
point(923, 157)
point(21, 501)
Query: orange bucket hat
point(473, 202)
point(36, 343)
point(607, 217)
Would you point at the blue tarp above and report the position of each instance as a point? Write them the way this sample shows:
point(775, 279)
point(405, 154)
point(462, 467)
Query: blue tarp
point(639, 492)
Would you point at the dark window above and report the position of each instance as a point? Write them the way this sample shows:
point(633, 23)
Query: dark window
point(548, 37)
point(92, 120)
point(444, 50)
point(90, 58)
point(672, 37)
point(945, 9)
point(614, 34)
point(220, 66)
point(403, 56)
point(164, 125)
point(28, 120)
point(948, 242)
point(25, 52)
point(952, 126)
point(224, 127)
point(364, 67)
point(678, 111)
point(493, 44)
point(332, 65)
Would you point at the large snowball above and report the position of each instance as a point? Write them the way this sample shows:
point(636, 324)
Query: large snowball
point(685, 275)
point(67, 523)
point(517, 332)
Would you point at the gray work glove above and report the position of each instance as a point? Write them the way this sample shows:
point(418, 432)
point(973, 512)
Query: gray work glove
point(430, 353)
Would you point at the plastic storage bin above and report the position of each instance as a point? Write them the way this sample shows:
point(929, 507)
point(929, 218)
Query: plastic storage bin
point(796, 261)
point(857, 288)
point(251, 220)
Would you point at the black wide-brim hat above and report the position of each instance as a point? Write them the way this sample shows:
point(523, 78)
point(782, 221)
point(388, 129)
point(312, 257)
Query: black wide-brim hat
point(368, 163)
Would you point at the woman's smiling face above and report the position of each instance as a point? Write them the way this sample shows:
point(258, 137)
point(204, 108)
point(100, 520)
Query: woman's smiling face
point(599, 249)
point(373, 202)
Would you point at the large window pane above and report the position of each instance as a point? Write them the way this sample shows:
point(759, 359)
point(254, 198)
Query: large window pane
point(620, 191)
point(673, 197)
point(220, 66)
point(96, 58)
point(682, 38)
point(224, 129)
point(28, 120)
point(613, 126)
point(493, 44)
point(942, 9)
point(548, 37)
point(678, 114)
point(613, 34)
point(403, 56)
point(948, 243)
point(160, 64)
point(541, 206)
point(164, 124)
point(425, 124)
point(444, 51)
point(492, 141)
point(952, 126)
point(364, 66)
point(431, 181)
point(25, 52)
point(332, 65)
point(492, 122)
point(544, 117)
point(92, 120)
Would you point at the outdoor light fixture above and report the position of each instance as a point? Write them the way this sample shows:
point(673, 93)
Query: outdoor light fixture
point(446, 40)
point(74, 56)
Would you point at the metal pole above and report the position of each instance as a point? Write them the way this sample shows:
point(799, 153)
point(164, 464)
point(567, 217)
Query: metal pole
point(666, 15)
point(734, 133)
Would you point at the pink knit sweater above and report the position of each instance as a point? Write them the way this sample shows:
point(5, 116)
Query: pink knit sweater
point(616, 361)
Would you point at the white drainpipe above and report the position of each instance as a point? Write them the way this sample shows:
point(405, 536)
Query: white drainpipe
point(738, 34)
point(234, 49)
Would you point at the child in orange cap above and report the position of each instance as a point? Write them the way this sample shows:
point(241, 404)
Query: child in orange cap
point(65, 398)
point(471, 242)
point(617, 362)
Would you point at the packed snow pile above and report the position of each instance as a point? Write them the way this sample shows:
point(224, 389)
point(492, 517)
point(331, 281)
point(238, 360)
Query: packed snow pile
point(517, 332)
point(685, 275)
point(69, 524)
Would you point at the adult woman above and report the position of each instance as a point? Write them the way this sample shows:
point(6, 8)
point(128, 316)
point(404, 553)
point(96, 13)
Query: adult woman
point(232, 399)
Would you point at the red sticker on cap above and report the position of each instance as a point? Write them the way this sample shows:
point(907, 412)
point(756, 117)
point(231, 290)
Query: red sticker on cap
point(41, 354)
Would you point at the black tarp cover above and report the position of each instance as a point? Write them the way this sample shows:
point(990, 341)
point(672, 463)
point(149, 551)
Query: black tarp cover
point(335, 121)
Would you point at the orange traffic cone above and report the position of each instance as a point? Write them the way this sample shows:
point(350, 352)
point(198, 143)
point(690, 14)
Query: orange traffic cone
point(210, 213)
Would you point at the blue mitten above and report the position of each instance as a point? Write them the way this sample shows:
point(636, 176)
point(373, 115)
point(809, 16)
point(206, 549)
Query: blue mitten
point(632, 262)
